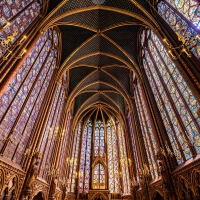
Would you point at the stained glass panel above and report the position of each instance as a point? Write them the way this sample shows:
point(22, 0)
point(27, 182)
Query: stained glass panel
point(146, 126)
point(123, 161)
point(99, 177)
point(113, 159)
point(20, 14)
point(84, 177)
point(176, 14)
point(173, 97)
point(99, 138)
point(21, 102)
point(73, 173)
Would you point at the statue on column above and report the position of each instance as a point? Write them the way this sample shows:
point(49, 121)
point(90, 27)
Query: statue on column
point(53, 186)
point(165, 179)
point(33, 175)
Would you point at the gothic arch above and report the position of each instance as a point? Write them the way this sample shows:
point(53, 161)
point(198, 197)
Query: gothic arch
point(184, 188)
point(195, 182)
point(156, 191)
point(40, 194)
point(99, 194)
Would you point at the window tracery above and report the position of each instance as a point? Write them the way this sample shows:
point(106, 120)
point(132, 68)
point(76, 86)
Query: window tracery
point(175, 100)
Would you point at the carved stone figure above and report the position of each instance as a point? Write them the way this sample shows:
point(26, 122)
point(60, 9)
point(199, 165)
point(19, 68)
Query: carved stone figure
point(165, 185)
point(53, 186)
point(33, 174)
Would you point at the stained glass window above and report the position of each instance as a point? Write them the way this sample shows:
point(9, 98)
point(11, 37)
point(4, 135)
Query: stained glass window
point(20, 14)
point(184, 18)
point(64, 161)
point(99, 139)
point(84, 176)
point(175, 100)
point(99, 177)
point(51, 131)
point(123, 161)
point(147, 131)
point(73, 174)
point(133, 141)
point(21, 102)
point(113, 159)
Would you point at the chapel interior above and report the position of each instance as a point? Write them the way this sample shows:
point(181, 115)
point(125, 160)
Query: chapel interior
point(99, 99)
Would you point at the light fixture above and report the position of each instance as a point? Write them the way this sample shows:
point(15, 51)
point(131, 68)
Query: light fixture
point(51, 171)
point(168, 153)
point(183, 47)
point(144, 171)
point(98, 2)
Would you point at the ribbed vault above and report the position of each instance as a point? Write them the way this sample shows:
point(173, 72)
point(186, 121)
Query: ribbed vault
point(99, 52)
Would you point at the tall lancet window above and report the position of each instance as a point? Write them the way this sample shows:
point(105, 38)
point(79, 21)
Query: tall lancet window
point(99, 177)
point(16, 17)
point(184, 18)
point(133, 141)
point(147, 131)
point(52, 130)
point(175, 100)
point(99, 143)
point(73, 174)
point(21, 102)
point(123, 161)
point(113, 159)
point(85, 161)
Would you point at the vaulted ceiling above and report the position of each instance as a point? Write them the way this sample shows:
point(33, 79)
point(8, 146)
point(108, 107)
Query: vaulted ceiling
point(100, 48)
